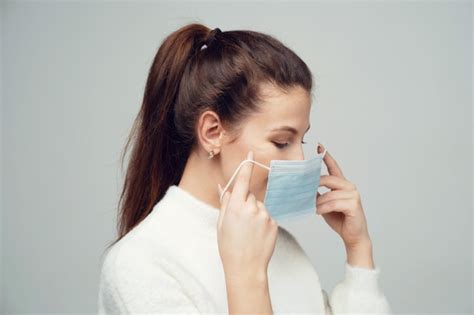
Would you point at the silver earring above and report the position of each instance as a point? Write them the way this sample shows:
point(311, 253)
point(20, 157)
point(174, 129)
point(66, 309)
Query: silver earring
point(211, 155)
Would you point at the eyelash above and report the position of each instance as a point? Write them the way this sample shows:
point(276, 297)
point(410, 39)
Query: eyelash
point(283, 145)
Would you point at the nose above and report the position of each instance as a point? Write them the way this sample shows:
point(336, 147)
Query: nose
point(298, 154)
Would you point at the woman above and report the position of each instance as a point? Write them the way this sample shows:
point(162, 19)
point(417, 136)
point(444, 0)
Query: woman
point(212, 100)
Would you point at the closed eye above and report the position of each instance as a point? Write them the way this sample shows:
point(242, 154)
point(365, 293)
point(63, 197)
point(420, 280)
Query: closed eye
point(283, 145)
point(280, 145)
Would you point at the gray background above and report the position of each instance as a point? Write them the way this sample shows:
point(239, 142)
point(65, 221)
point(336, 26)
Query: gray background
point(393, 105)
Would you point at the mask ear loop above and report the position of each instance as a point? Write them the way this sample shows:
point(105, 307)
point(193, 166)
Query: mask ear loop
point(322, 157)
point(324, 153)
point(235, 173)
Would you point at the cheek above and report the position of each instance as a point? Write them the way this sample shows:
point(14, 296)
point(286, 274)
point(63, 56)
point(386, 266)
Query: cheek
point(262, 190)
point(259, 181)
point(263, 153)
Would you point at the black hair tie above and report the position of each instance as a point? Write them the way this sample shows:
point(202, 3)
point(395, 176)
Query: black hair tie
point(211, 37)
point(214, 32)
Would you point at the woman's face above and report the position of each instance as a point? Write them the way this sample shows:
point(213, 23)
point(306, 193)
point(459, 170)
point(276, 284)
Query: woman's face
point(274, 133)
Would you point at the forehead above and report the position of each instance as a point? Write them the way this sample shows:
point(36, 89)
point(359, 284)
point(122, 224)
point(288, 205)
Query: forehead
point(280, 107)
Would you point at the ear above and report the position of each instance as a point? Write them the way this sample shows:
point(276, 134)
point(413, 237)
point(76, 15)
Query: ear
point(210, 131)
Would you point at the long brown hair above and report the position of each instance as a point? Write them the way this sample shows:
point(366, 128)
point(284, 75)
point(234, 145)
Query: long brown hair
point(185, 79)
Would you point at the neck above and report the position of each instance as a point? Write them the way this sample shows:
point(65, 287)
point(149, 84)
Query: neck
point(199, 179)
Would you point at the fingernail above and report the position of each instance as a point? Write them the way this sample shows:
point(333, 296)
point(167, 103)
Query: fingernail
point(320, 146)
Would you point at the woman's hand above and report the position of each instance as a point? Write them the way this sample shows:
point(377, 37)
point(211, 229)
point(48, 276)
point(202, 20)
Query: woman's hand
point(246, 236)
point(341, 208)
point(246, 232)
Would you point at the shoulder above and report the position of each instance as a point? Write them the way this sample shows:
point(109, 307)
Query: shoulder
point(139, 277)
point(126, 257)
point(121, 267)
point(135, 266)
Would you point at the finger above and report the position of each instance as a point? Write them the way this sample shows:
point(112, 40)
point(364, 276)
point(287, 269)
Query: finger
point(225, 200)
point(251, 200)
point(224, 204)
point(331, 164)
point(263, 210)
point(242, 182)
point(346, 206)
point(334, 182)
point(261, 207)
point(335, 194)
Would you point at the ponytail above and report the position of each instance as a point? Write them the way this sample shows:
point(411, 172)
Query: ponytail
point(158, 155)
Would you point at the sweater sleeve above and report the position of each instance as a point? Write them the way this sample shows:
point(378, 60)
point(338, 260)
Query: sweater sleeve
point(131, 282)
point(358, 293)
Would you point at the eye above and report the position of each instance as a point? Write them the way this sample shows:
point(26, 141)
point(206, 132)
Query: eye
point(283, 145)
point(280, 145)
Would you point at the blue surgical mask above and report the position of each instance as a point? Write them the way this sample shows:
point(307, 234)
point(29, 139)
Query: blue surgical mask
point(291, 188)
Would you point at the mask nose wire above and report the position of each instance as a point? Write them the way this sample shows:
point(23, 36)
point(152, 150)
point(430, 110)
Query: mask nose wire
point(235, 173)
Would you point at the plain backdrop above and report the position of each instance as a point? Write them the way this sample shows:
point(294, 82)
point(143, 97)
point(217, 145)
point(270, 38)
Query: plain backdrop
point(393, 104)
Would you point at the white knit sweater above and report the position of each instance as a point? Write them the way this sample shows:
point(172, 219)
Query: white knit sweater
point(170, 263)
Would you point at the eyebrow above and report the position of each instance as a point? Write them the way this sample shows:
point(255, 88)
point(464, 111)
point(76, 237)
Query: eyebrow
point(289, 128)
